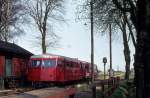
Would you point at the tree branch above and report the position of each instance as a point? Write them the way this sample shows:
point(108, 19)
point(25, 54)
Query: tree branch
point(118, 5)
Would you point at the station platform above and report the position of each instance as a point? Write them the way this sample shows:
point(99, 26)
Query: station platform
point(53, 92)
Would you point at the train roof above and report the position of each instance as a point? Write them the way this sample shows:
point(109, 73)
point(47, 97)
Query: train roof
point(48, 55)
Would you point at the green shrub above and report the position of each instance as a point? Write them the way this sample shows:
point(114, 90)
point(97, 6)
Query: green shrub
point(121, 91)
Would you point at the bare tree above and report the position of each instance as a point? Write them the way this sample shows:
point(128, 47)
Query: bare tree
point(41, 12)
point(123, 27)
point(0, 15)
point(105, 13)
point(11, 17)
point(138, 12)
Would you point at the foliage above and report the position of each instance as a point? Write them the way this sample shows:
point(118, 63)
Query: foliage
point(105, 13)
point(120, 93)
point(125, 90)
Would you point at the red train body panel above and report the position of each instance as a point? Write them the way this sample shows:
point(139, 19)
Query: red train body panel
point(54, 68)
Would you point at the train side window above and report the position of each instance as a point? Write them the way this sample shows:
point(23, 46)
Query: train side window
point(71, 64)
point(75, 65)
point(64, 63)
point(36, 63)
point(68, 64)
point(49, 63)
point(81, 66)
point(87, 67)
point(60, 63)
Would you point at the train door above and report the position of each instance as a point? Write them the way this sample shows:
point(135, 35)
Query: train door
point(82, 70)
point(87, 70)
point(68, 71)
point(48, 70)
point(77, 70)
point(60, 70)
point(8, 66)
point(34, 71)
point(65, 77)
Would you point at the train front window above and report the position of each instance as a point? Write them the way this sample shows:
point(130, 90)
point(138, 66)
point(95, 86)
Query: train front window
point(49, 63)
point(36, 63)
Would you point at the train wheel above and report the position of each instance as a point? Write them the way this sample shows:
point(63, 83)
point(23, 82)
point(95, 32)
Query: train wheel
point(52, 84)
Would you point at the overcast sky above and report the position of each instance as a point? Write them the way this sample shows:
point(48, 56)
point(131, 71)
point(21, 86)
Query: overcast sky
point(75, 41)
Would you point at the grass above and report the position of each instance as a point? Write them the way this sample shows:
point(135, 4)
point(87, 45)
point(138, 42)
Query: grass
point(125, 90)
point(116, 74)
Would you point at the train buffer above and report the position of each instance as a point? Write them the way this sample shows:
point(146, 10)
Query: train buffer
point(52, 92)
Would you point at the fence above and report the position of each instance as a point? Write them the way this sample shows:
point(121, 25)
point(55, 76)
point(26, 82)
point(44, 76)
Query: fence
point(108, 86)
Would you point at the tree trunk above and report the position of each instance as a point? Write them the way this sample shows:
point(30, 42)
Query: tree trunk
point(146, 50)
point(126, 51)
point(131, 32)
point(43, 44)
point(140, 52)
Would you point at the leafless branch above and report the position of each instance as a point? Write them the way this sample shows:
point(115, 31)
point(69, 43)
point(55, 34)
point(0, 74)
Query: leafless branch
point(41, 11)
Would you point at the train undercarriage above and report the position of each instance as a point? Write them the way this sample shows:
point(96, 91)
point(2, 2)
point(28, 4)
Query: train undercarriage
point(21, 82)
point(42, 84)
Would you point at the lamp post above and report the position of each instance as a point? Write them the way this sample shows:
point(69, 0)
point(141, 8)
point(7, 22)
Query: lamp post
point(104, 61)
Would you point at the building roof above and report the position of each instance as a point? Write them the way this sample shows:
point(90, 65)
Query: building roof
point(13, 49)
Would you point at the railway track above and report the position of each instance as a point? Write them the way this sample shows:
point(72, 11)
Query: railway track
point(56, 91)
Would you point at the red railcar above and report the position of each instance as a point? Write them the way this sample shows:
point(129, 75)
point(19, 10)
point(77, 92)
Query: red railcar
point(86, 71)
point(55, 68)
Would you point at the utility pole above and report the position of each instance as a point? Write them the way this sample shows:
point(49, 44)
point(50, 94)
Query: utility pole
point(92, 42)
point(110, 47)
point(92, 51)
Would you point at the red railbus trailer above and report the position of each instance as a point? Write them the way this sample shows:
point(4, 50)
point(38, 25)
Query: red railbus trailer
point(50, 68)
